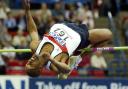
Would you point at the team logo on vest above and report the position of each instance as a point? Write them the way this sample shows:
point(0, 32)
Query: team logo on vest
point(58, 38)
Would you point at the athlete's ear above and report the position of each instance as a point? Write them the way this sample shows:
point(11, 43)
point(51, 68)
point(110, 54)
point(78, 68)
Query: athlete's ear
point(45, 55)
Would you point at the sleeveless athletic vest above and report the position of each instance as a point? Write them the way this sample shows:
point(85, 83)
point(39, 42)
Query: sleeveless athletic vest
point(65, 38)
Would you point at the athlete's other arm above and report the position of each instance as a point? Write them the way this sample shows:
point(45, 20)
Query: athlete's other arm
point(31, 26)
point(61, 65)
point(33, 66)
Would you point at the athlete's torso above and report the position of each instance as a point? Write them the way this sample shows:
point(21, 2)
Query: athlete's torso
point(65, 38)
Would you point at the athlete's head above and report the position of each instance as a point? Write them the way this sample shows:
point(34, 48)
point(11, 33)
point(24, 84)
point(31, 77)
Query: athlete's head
point(33, 67)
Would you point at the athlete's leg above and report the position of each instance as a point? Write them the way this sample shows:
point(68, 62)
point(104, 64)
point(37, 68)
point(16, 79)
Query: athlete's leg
point(73, 63)
point(98, 37)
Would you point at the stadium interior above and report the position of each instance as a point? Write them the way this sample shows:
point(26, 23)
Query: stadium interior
point(112, 14)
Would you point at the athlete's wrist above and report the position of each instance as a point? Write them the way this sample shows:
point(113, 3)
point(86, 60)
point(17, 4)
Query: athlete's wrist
point(53, 61)
point(26, 5)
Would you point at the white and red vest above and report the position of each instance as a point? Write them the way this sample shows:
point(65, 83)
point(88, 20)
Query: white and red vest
point(63, 38)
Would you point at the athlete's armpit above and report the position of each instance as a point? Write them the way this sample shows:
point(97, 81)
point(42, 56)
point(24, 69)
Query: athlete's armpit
point(33, 45)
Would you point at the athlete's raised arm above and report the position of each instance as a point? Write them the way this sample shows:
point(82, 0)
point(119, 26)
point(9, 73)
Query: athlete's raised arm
point(31, 26)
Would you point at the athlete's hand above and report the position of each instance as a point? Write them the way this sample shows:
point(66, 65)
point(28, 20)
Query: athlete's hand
point(26, 4)
point(46, 56)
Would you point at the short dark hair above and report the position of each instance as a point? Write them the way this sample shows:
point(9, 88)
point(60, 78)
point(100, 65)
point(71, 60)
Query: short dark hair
point(33, 72)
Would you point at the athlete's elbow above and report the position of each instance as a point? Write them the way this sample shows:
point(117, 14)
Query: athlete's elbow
point(68, 70)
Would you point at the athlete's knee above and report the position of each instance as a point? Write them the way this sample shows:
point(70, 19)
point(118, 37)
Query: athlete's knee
point(107, 34)
point(104, 34)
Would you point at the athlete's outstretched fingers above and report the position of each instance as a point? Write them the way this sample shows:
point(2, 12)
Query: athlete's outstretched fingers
point(26, 4)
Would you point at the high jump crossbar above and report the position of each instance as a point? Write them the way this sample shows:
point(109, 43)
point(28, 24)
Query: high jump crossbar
point(15, 50)
point(106, 49)
point(85, 49)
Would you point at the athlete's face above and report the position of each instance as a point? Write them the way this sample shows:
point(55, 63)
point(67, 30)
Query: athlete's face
point(33, 66)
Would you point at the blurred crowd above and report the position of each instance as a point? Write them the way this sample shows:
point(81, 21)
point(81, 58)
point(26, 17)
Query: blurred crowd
point(13, 23)
point(14, 35)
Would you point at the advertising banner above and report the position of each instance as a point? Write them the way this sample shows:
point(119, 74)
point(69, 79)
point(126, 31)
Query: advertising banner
point(24, 82)
point(14, 82)
point(76, 83)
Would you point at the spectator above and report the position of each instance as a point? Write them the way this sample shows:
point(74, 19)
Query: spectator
point(4, 35)
point(17, 39)
point(58, 11)
point(98, 64)
point(51, 21)
point(3, 10)
point(98, 61)
point(104, 7)
point(85, 16)
point(10, 22)
point(43, 27)
point(70, 14)
point(21, 21)
point(45, 12)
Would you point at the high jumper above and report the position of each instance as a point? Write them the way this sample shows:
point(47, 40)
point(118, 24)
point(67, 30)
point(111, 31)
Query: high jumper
point(56, 50)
